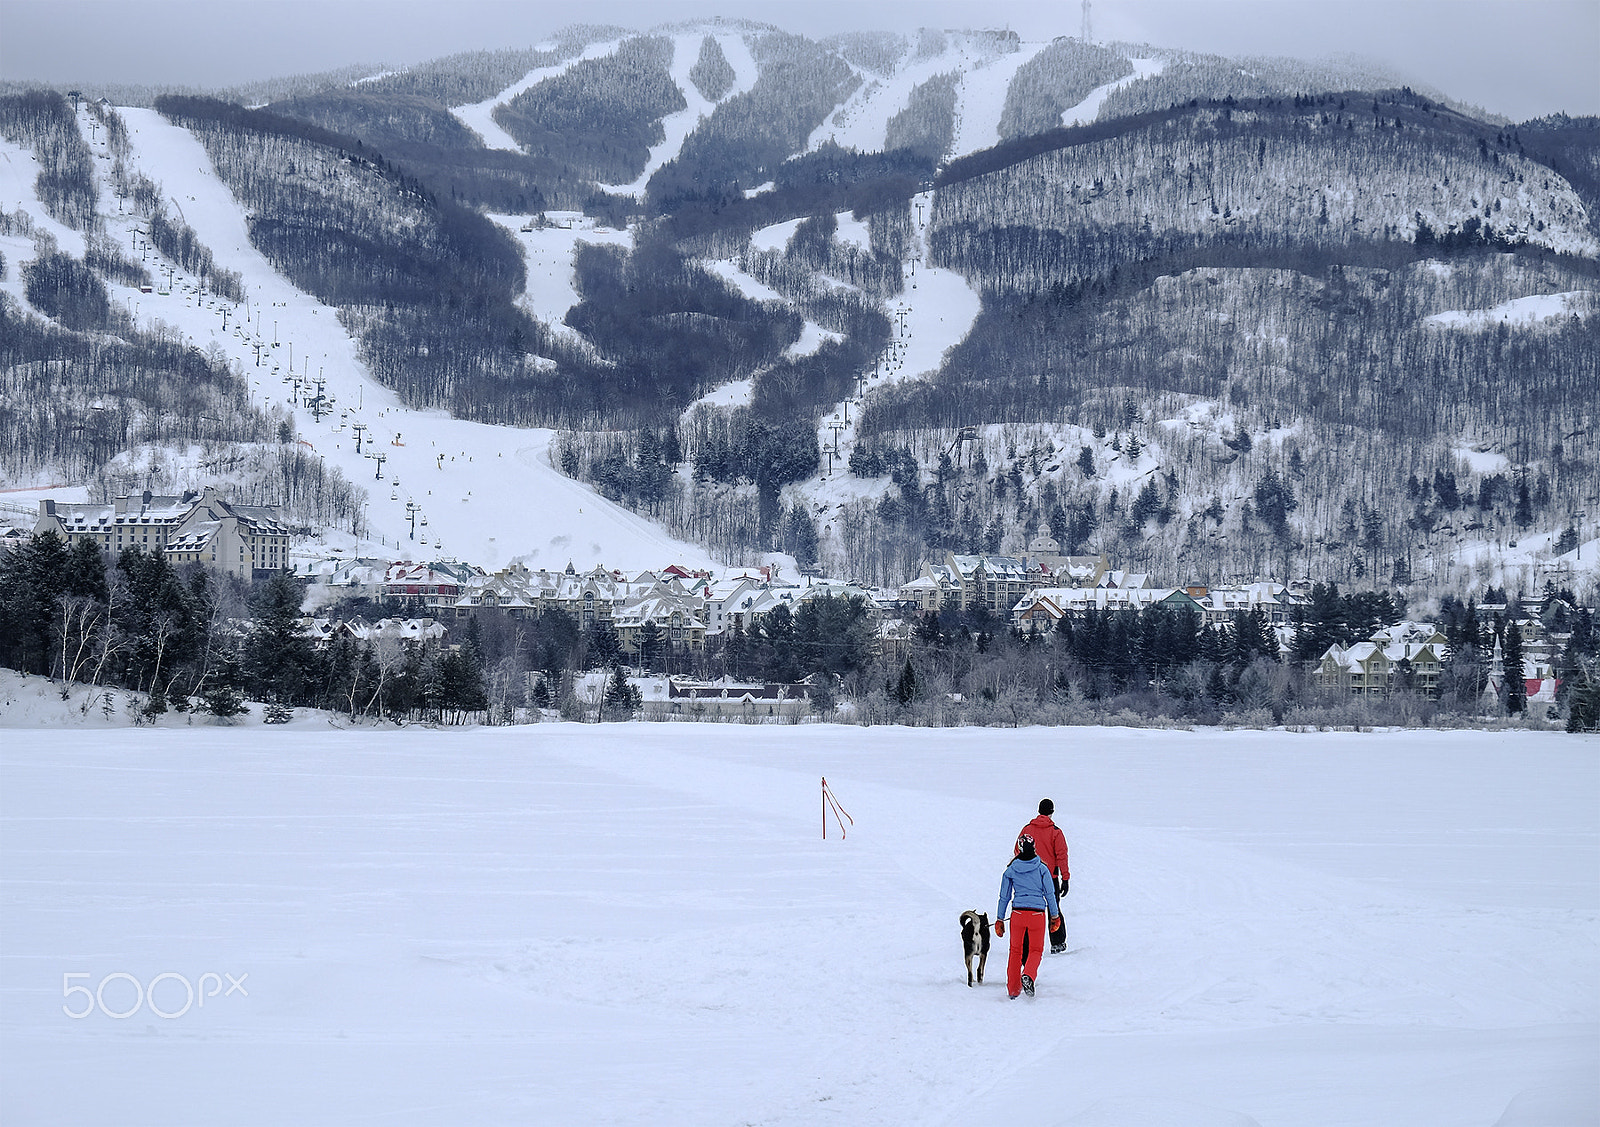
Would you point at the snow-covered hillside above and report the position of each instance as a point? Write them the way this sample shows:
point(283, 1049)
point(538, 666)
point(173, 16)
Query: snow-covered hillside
point(479, 117)
point(482, 493)
point(627, 924)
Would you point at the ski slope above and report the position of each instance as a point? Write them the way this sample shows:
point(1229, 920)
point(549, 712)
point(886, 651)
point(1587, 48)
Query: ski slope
point(981, 99)
point(1088, 110)
point(487, 494)
point(642, 924)
point(932, 315)
point(551, 288)
point(479, 116)
point(676, 127)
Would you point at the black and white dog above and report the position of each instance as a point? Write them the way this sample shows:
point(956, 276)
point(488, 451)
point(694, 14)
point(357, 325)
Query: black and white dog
point(975, 940)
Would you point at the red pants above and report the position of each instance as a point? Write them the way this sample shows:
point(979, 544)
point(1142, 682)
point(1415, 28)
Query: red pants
point(1028, 932)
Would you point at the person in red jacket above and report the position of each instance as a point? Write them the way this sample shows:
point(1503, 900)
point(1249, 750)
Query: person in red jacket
point(1051, 845)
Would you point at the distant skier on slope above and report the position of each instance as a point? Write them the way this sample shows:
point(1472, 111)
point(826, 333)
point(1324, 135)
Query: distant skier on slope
point(1052, 846)
point(1026, 887)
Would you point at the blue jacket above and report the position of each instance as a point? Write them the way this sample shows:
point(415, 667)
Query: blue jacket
point(1027, 884)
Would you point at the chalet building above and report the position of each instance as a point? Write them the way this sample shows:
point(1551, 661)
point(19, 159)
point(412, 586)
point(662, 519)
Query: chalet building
point(966, 582)
point(998, 582)
point(599, 595)
point(249, 541)
point(1074, 571)
point(737, 600)
point(1219, 604)
point(674, 615)
point(1407, 655)
point(1042, 608)
point(730, 699)
point(740, 601)
point(430, 585)
point(324, 631)
point(937, 587)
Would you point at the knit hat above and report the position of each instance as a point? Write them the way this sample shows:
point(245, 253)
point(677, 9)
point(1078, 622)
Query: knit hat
point(1025, 848)
point(1046, 807)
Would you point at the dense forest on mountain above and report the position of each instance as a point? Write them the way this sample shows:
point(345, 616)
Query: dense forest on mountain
point(712, 74)
point(434, 146)
point(1055, 80)
point(750, 134)
point(1188, 76)
point(598, 119)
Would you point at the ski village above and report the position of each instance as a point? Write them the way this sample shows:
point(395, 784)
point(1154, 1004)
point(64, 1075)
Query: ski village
point(752, 644)
point(555, 583)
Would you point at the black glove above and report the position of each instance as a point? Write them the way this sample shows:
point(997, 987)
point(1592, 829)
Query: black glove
point(1061, 889)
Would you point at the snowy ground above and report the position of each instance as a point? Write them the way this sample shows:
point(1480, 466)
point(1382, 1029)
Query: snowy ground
point(1520, 312)
point(629, 924)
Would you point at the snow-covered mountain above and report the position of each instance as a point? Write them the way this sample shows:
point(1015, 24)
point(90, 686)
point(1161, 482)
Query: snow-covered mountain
point(619, 249)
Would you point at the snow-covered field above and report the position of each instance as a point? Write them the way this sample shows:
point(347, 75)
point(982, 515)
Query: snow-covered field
point(628, 924)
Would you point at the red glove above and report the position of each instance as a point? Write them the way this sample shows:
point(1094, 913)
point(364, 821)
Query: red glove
point(1000, 928)
point(1055, 923)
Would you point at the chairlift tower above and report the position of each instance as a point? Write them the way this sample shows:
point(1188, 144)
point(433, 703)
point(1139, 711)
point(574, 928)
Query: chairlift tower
point(1087, 34)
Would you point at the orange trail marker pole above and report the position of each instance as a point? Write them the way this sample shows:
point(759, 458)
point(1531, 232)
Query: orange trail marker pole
point(839, 812)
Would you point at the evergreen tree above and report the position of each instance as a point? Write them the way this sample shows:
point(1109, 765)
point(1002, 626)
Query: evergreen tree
point(461, 688)
point(799, 533)
point(649, 643)
point(1252, 638)
point(279, 660)
point(1274, 501)
point(32, 581)
point(622, 699)
point(605, 648)
point(161, 617)
point(905, 689)
point(220, 692)
point(85, 571)
point(1321, 624)
point(1511, 652)
point(1583, 701)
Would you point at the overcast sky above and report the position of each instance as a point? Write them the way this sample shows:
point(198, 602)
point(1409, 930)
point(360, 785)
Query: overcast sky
point(1521, 58)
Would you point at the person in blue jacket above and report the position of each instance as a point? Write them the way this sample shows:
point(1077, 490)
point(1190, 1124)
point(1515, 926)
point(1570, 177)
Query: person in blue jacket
point(1029, 890)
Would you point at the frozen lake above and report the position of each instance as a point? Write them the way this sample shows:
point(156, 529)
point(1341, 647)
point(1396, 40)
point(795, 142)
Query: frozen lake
point(637, 923)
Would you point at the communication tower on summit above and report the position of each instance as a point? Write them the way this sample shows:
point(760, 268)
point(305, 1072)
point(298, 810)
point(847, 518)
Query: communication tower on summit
point(1087, 34)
